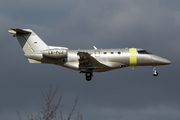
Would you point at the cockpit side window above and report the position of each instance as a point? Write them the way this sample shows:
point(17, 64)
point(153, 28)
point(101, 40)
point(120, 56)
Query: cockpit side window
point(143, 52)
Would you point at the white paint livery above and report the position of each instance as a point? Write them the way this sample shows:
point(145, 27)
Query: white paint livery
point(85, 61)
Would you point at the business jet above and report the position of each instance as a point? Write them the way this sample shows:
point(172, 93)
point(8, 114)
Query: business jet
point(85, 61)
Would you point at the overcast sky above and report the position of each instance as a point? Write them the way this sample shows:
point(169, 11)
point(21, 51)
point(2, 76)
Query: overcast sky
point(122, 94)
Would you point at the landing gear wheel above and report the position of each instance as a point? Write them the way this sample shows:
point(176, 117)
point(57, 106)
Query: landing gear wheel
point(155, 72)
point(88, 76)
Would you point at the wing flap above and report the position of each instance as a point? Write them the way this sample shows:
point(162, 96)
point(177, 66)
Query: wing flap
point(86, 62)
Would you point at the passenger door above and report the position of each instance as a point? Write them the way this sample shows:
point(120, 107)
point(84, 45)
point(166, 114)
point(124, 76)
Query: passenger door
point(97, 53)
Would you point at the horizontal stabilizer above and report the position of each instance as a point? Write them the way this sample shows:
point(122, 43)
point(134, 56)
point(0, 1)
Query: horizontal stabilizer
point(18, 31)
point(33, 61)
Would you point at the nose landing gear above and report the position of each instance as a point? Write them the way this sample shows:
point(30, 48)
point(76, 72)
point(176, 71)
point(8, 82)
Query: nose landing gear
point(155, 72)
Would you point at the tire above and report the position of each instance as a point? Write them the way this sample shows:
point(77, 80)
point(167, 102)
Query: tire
point(88, 76)
point(155, 74)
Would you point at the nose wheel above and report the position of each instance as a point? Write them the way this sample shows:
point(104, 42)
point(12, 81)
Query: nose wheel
point(155, 72)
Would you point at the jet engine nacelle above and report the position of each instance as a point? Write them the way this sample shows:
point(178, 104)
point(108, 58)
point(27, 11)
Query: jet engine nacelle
point(55, 53)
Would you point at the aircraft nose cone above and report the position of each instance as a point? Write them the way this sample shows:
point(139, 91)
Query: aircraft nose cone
point(160, 61)
point(167, 62)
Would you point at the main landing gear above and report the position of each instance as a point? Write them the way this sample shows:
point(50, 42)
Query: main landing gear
point(89, 76)
point(155, 72)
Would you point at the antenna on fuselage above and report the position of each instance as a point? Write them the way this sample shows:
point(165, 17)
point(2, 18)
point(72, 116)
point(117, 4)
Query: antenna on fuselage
point(95, 47)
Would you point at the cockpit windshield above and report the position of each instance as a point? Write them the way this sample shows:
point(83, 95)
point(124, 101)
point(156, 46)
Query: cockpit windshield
point(143, 52)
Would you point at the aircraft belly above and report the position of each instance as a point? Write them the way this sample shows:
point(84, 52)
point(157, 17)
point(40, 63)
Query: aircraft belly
point(112, 64)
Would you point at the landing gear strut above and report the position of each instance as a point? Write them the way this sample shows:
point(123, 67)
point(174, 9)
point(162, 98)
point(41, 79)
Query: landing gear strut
point(88, 76)
point(155, 72)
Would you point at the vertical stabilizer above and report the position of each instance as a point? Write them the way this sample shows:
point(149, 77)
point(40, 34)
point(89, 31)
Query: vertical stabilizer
point(29, 40)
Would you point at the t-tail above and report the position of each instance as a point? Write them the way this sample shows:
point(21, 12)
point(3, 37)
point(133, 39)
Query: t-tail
point(33, 46)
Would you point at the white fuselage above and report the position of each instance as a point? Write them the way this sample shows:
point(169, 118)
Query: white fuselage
point(86, 61)
point(113, 58)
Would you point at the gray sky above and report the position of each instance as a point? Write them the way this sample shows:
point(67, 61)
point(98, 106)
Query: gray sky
point(122, 94)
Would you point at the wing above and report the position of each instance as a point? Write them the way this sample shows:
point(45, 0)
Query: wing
point(89, 63)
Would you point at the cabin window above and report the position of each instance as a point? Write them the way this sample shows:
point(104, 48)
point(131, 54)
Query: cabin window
point(112, 52)
point(105, 52)
point(119, 52)
point(77, 54)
